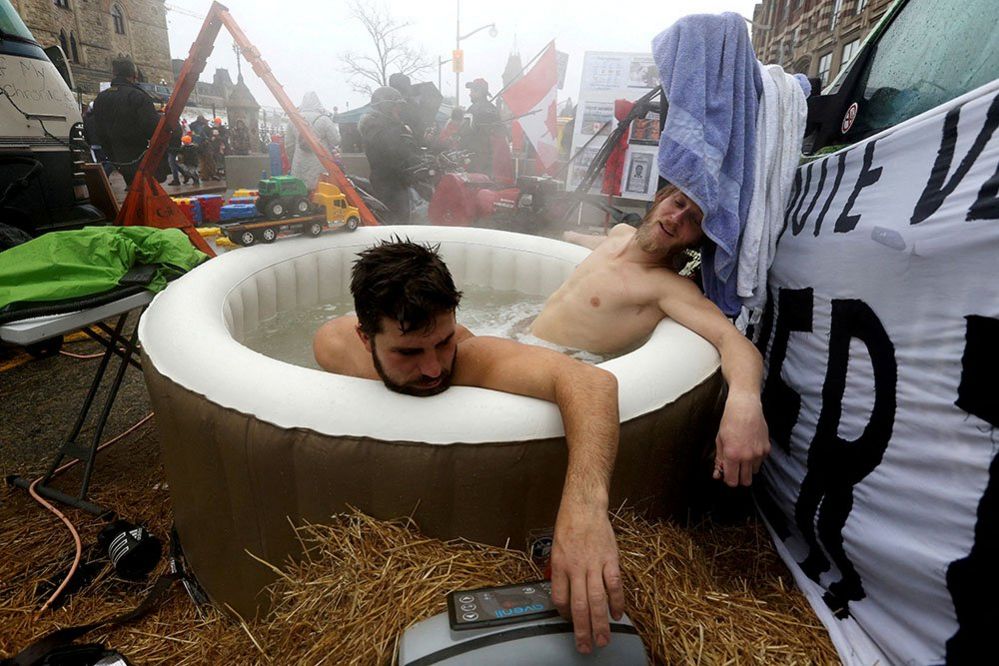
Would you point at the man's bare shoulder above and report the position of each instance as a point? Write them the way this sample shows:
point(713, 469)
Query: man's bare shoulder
point(333, 345)
point(621, 230)
point(670, 285)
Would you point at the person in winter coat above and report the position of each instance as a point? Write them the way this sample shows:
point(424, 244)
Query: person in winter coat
point(478, 135)
point(198, 128)
point(391, 151)
point(125, 119)
point(304, 164)
point(188, 160)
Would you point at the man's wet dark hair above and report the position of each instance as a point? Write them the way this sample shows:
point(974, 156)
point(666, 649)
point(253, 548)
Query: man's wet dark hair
point(404, 281)
point(123, 68)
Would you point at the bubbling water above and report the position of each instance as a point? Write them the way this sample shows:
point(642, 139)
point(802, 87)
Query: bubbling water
point(484, 311)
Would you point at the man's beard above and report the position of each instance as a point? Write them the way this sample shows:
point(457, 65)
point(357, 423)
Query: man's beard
point(647, 238)
point(409, 389)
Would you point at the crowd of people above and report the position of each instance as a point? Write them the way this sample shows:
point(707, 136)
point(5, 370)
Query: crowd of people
point(119, 123)
point(399, 129)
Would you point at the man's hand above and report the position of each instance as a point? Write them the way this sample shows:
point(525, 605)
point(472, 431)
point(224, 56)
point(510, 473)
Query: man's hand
point(743, 440)
point(585, 574)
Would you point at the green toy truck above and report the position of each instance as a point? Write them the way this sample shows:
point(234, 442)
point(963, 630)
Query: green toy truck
point(283, 196)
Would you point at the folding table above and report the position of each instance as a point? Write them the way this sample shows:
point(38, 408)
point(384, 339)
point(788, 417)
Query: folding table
point(31, 330)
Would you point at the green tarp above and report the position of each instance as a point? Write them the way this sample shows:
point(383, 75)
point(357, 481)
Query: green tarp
point(72, 264)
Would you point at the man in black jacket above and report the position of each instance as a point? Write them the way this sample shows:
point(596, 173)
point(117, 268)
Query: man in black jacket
point(391, 151)
point(125, 119)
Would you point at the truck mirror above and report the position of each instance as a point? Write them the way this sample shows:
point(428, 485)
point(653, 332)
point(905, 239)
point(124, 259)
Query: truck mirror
point(58, 58)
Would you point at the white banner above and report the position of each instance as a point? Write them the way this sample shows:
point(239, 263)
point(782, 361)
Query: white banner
point(881, 340)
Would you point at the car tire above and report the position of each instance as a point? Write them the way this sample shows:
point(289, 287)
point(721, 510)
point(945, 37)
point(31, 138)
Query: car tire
point(247, 238)
point(352, 223)
point(315, 229)
point(275, 209)
point(268, 235)
point(301, 206)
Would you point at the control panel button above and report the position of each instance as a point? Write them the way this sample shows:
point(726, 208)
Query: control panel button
point(468, 607)
point(470, 617)
point(466, 598)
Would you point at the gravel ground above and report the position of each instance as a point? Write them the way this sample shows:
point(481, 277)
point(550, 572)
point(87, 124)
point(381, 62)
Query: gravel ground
point(41, 399)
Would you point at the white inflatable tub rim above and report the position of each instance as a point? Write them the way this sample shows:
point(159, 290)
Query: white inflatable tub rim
point(186, 334)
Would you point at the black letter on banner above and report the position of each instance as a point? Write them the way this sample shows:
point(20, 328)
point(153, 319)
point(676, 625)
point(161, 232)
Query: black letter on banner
point(836, 465)
point(936, 191)
point(840, 168)
point(986, 206)
point(868, 176)
point(781, 403)
point(796, 224)
point(973, 581)
point(818, 191)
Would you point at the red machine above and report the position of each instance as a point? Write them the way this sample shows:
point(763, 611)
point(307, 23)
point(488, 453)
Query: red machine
point(147, 204)
point(466, 199)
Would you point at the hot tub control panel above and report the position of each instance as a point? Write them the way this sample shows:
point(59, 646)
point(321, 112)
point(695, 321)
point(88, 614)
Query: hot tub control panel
point(493, 606)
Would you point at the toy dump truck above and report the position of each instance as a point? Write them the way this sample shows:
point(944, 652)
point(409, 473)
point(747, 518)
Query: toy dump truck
point(328, 209)
point(282, 196)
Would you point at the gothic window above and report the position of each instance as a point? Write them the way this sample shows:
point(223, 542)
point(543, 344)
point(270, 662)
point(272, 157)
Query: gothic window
point(118, 17)
point(63, 43)
point(74, 54)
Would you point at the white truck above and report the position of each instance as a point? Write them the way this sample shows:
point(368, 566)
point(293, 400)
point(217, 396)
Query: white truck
point(42, 149)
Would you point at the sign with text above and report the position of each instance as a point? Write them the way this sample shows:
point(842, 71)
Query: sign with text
point(609, 76)
point(881, 341)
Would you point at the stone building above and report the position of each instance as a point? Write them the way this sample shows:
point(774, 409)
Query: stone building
point(241, 105)
point(210, 96)
point(814, 37)
point(93, 32)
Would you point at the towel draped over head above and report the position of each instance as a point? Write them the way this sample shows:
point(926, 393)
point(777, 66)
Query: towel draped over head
point(712, 83)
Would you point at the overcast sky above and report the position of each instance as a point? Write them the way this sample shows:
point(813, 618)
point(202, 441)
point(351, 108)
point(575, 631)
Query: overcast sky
point(302, 39)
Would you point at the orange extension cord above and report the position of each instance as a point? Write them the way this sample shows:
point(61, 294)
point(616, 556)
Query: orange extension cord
point(59, 514)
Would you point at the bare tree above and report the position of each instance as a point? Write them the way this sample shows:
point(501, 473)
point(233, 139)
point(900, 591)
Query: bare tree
point(393, 52)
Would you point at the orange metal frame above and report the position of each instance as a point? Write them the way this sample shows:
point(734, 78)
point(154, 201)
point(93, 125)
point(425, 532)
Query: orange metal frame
point(148, 203)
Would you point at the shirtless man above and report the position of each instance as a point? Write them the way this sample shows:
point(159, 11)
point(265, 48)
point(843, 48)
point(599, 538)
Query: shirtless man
point(618, 295)
point(405, 334)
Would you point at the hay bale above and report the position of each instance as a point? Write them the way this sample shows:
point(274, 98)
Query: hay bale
point(708, 594)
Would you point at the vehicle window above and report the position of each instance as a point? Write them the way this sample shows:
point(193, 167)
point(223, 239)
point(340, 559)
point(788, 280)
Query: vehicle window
point(931, 53)
point(11, 23)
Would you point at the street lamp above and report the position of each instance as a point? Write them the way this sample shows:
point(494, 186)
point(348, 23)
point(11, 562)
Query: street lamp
point(440, 80)
point(457, 46)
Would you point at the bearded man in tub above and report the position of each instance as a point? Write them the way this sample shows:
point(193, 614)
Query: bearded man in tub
point(405, 334)
point(617, 296)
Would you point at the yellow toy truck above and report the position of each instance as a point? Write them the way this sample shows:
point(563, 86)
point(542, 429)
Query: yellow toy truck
point(328, 209)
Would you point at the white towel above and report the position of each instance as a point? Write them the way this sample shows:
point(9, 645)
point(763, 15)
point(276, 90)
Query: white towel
point(780, 127)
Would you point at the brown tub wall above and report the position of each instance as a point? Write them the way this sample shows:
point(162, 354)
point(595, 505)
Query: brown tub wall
point(235, 480)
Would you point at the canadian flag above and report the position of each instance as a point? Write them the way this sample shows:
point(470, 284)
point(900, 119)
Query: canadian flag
point(531, 100)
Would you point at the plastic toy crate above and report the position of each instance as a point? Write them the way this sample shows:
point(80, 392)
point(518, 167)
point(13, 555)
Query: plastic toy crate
point(211, 206)
point(237, 212)
point(190, 207)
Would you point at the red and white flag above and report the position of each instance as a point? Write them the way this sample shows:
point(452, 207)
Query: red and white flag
point(531, 100)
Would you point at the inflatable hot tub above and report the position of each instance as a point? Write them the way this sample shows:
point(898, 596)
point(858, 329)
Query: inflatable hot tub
point(251, 444)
